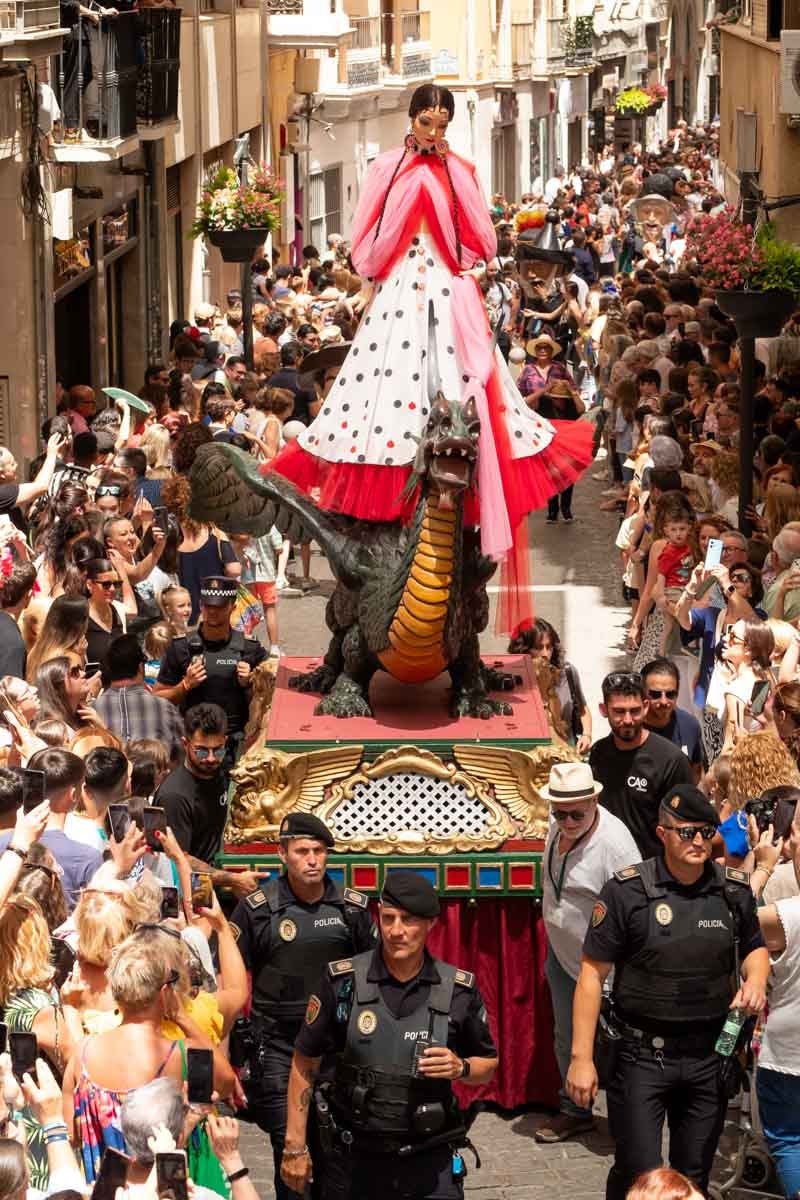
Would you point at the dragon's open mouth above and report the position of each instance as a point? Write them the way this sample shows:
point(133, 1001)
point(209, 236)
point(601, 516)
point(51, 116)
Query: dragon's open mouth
point(452, 466)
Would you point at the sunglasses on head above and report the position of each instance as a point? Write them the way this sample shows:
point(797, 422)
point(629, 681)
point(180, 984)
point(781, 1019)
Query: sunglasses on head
point(667, 693)
point(621, 678)
point(110, 489)
point(687, 833)
point(568, 814)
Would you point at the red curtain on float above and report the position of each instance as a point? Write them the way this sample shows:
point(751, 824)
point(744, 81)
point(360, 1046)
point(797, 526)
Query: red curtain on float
point(503, 942)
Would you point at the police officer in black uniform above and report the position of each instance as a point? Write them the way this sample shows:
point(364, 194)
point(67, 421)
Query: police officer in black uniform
point(683, 938)
point(403, 1026)
point(215, 663)
point(287, 932)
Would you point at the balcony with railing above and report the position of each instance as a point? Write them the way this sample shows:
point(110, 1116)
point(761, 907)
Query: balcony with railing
point(29, 28)
point(360, 64)
point(116, 80)
point(406, 38)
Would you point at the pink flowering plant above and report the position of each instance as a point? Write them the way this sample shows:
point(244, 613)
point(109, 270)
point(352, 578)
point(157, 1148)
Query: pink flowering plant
point(226, 204)
point(656, 92)
point(724, 249)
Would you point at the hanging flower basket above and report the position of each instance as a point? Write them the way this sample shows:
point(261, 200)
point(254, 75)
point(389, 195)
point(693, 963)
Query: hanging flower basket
point(757, 314)
point(237, 245)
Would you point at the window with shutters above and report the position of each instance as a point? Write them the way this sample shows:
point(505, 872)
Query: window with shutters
point(173, 189)
point(325, 205)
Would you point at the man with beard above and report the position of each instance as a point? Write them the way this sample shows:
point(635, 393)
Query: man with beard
point(662, 683)
point(636, 768)
point(195, 796)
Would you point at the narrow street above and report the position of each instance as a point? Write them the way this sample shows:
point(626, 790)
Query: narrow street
point(575, 575)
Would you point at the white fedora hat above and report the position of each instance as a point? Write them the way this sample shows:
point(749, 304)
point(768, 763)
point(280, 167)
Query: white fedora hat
point(570, 781)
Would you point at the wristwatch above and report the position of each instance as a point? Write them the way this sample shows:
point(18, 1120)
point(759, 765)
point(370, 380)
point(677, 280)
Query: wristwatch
point(466, 1068)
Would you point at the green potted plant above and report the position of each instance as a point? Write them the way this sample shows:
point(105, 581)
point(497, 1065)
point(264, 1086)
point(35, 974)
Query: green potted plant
point(757, 279)
point(633, 102)
point(238, 216)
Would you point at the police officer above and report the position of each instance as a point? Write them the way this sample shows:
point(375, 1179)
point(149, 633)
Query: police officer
point(403, 1026)
point(287, 932)
point(675, 929)
point(215, 663)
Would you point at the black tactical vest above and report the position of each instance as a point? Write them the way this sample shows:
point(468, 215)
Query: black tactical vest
point(684, 972)
point(221, 686)
point(303, 942)
point(375, 1090)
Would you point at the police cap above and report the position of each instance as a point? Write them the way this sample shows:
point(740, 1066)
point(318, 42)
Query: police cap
point(305, 825)
point(687, 803)
point(411, 892)
point(217, 590)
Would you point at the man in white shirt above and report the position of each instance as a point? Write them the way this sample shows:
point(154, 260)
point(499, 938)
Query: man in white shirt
point(554, 184)
point(586, 844)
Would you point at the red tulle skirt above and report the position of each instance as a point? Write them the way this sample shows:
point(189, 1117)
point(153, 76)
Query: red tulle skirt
point(375, 493)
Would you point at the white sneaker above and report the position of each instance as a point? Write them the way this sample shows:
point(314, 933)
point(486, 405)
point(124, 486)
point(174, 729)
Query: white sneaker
point(281, 582)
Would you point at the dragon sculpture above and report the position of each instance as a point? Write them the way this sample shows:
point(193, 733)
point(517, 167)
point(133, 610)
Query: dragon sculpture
point(410, 599)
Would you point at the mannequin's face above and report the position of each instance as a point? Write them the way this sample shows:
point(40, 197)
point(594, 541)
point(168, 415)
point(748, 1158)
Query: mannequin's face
point(429, 126)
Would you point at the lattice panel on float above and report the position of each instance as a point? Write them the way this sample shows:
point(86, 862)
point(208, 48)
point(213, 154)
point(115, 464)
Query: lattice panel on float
point(394, 804)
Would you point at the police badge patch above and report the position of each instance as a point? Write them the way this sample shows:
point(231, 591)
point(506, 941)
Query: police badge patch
point(598, 913)
point(367, 1022)
point(313, 1009)
point(664, 914)
point(287, 930)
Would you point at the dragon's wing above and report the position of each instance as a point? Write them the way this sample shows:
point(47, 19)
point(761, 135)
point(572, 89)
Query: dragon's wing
point(229, 491)
point(513, 775)
point(310, 775)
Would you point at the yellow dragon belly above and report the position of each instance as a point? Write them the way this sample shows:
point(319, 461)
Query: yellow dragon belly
point(416, 634)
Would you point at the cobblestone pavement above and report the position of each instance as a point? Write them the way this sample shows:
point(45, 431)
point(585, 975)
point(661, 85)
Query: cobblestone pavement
point(576, 587)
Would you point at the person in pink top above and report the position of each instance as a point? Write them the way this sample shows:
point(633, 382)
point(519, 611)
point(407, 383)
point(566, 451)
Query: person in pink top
point(421, 225)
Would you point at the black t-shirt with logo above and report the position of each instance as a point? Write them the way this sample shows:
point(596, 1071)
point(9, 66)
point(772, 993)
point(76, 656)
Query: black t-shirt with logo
point(636, 781)
point(196, 810)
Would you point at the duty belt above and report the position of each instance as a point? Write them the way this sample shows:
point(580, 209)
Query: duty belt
point(697, 1043)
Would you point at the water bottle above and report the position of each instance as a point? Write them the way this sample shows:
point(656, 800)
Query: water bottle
point(729, 1034)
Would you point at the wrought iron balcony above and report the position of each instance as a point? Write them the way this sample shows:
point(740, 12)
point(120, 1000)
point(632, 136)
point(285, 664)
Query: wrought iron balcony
point(115, 76)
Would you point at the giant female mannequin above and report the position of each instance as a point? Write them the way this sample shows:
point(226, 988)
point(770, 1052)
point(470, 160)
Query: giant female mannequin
point(421, 223)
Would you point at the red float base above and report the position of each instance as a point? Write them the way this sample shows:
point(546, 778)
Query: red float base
point(406, 714)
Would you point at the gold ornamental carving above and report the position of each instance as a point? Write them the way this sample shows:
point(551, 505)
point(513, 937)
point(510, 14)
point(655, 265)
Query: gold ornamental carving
point(270, 783)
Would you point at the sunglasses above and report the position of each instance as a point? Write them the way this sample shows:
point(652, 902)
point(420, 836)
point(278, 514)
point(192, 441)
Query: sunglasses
point(734, 639)
point(109, 490)
point(108, 584)
point(667, 693)
point(740, 578)
point(687, 833)
point(203, 752)
point(569, 814)
point(620, 679)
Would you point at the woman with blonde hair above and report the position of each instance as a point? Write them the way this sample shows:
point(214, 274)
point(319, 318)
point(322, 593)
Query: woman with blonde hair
point(102, 919)
point(143, 983)
point(64, 630)
point(760, 761)
point(725, 482)
point(30, 1001)
point(781, 508)
point(157, 447)
point(176, 605)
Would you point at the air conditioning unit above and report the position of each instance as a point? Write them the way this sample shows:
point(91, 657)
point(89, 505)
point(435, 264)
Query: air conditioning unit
point(790, 71)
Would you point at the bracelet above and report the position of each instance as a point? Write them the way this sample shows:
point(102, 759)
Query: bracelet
point(767, 870)
point(51, 1138)
point(240, 1174)
point(57, 1123)
point(23, 854)
point(295, 1153)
